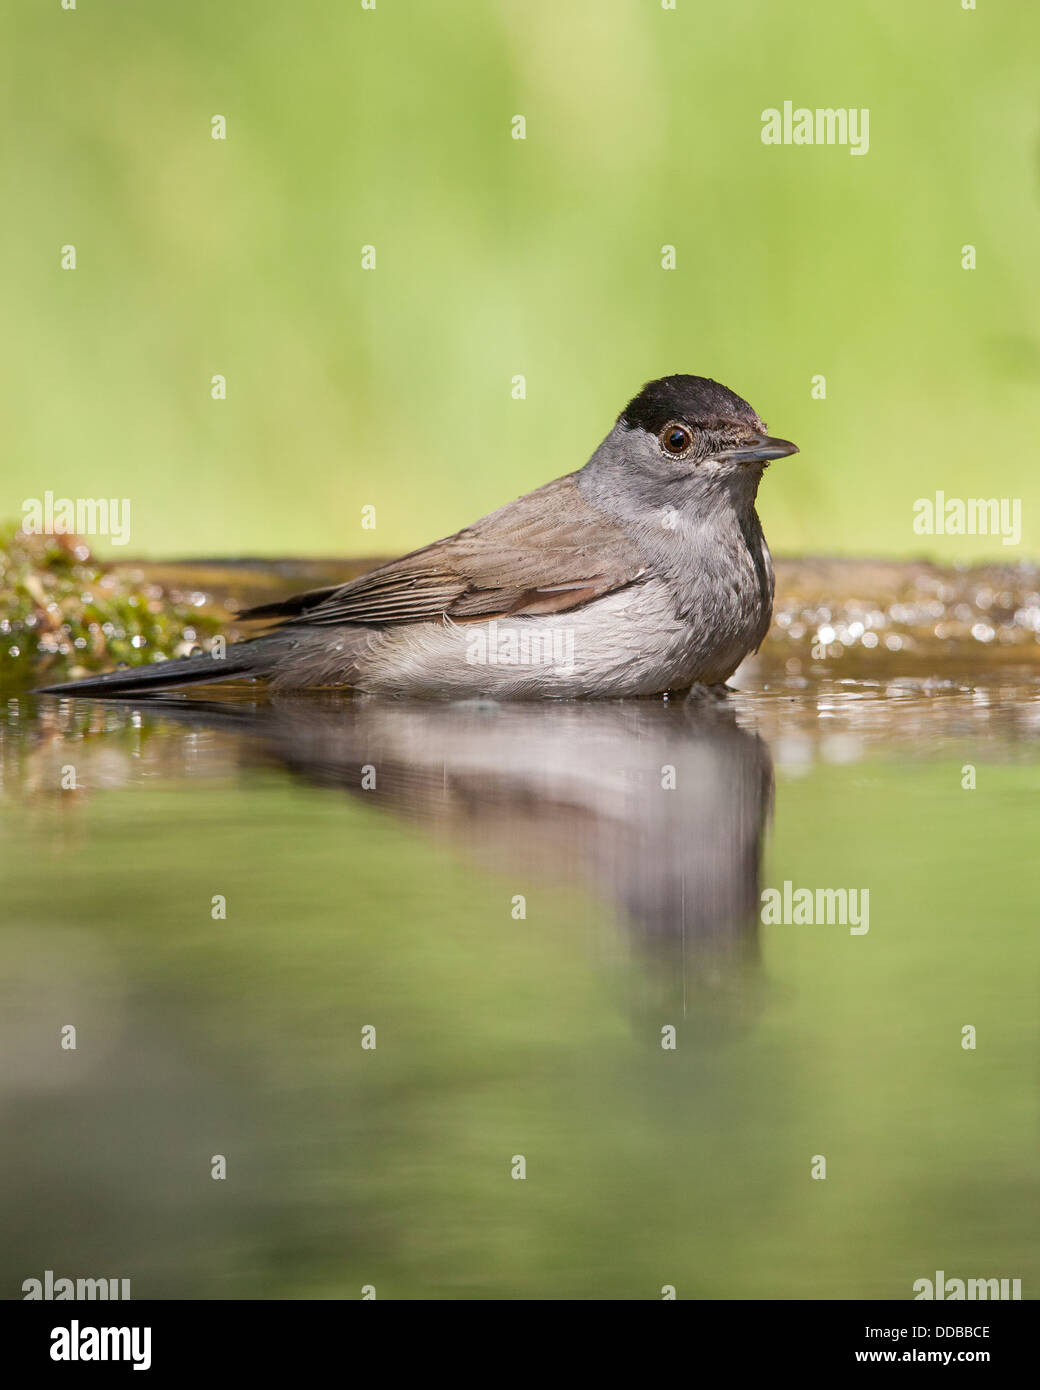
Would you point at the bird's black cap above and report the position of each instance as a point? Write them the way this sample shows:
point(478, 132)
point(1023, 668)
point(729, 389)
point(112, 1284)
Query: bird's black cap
point(695, 399)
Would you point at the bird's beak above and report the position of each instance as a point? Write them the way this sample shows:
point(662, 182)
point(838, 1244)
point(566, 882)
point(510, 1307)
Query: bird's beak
point(762, 450)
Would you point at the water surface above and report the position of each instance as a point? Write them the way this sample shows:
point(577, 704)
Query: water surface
point(523, 901)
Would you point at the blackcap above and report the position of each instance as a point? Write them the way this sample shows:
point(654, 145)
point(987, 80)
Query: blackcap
point(643, 572)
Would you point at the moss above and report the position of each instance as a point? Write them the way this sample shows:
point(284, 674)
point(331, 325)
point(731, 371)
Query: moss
point(66, 614)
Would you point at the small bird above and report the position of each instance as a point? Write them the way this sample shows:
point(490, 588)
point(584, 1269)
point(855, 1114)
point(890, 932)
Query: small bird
point(645, 571)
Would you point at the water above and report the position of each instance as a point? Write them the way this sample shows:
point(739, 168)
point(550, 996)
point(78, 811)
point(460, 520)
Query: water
point(522, 902)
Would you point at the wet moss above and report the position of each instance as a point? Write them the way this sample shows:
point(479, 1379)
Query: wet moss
point(66, 614)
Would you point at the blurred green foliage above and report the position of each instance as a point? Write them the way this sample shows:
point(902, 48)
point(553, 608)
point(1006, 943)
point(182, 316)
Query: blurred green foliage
point(498, 257)
point(64, 614)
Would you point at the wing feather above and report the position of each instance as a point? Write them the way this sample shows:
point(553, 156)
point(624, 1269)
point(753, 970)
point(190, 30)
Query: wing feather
point(544, 553)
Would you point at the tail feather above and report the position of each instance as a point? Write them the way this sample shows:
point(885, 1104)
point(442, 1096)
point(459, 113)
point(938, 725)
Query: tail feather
point(143, 680)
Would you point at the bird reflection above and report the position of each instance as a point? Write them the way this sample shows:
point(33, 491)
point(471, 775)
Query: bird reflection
point(656, 808)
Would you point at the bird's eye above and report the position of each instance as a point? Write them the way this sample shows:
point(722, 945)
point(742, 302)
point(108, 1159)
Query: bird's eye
point(676, 439)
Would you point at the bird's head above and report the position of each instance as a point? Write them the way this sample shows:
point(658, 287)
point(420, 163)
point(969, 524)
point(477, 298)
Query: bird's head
point(687, 436)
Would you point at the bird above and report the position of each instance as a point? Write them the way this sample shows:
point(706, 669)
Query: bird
point(645, 572)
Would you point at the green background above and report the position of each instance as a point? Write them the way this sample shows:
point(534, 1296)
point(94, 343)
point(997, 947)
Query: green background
point(498, 257)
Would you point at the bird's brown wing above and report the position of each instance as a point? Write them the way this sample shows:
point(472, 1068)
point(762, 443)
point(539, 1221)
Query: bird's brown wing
point(544, 553)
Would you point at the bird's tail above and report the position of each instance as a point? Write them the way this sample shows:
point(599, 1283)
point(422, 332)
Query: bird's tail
point(242, 659)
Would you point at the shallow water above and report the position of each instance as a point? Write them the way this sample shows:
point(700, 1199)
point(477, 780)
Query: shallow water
point(522, 901)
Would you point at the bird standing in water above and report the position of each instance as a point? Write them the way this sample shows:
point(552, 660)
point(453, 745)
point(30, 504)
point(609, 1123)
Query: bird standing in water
point(645, 571)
